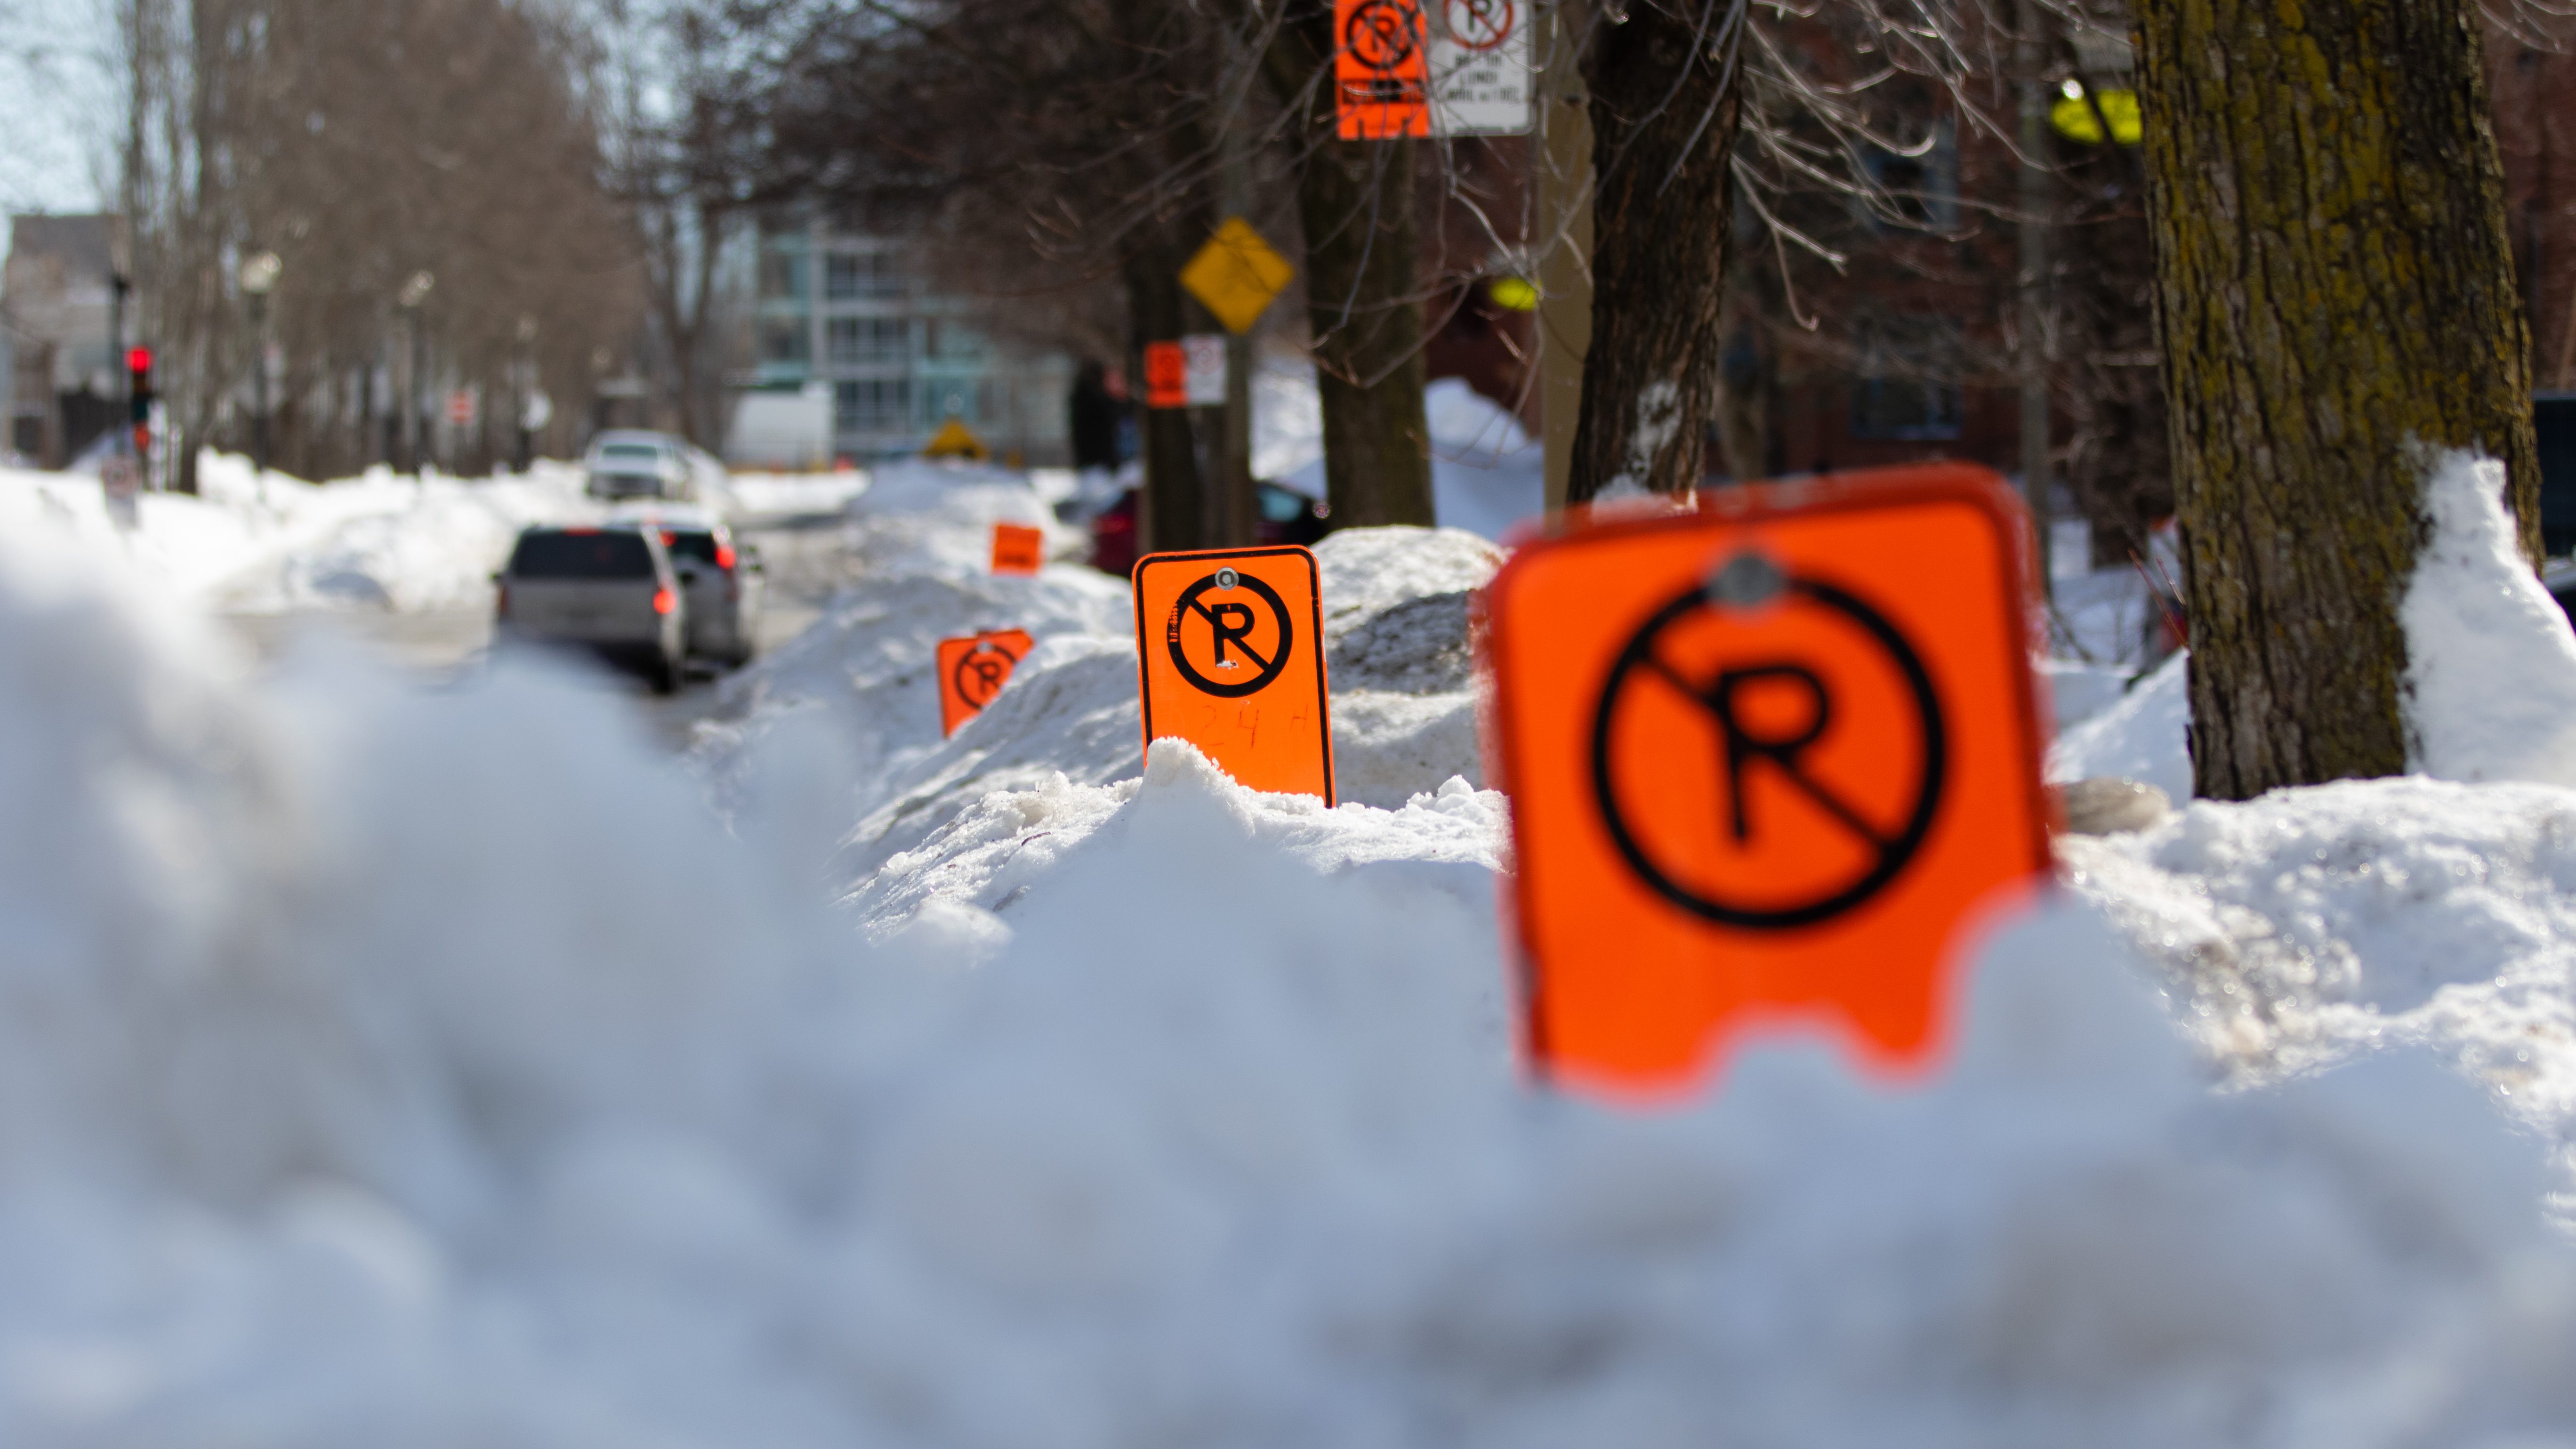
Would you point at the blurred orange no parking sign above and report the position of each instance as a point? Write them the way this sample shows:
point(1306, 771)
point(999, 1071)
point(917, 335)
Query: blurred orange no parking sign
point(973, 669)
point(1768, 762)
point(1230, 657)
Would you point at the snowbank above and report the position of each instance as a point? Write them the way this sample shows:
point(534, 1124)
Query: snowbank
point(2145, 737)
point(1487, 476)
point(2490, 689)
point(428, 1069)
point(859, 685)
point(264, 543)
point(2314, 924)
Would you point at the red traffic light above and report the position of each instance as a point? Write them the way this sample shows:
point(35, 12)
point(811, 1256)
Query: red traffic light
point(138, 359)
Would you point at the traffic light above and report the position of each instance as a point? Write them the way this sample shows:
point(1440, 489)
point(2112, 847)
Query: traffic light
point(138, 390)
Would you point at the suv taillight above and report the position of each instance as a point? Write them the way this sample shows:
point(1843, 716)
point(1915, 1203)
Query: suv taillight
point(663, 602)
point(502, 609)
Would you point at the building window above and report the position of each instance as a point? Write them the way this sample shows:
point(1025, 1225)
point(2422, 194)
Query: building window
point(865, 341)
point(1921, 185)
point(1908, 387)
point(943, 398)
point(855, 276)
point(945, 341)
point(876, 405)
point(782, 274)
point(785, 340)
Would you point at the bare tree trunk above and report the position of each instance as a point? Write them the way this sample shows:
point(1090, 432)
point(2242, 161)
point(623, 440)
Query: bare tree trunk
point(1174, 506)
point(1356, 205)
point(1664, 109)
point(2336, 297)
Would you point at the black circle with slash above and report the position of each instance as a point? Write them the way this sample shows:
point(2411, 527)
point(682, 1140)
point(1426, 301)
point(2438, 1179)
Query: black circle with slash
point(981, 672)
point(1382, 34)
point(1231, 622)
point(1750, 582)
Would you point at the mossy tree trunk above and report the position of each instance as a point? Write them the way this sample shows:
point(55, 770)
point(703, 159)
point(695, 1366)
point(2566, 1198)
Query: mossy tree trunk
point(1357, 208)
point(1664, 109)
point(2336, 297)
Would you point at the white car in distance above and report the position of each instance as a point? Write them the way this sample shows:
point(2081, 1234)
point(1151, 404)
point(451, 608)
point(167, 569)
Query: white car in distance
point(629, 463)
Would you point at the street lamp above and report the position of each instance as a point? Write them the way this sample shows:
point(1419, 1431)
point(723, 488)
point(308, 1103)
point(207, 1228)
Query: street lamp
point(414, 291)
point(527, 385)
point(259, 273)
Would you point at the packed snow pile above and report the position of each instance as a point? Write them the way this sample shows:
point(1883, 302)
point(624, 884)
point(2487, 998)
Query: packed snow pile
point(432, 1069)
point(2312, 924)
point(2145, 736)
point(2490, 661)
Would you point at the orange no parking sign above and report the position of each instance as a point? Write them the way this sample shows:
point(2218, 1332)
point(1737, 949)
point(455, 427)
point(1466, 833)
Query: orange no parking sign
point(1767, 763)
point(972, 670)
point(1018, 548)
point(1230, 657)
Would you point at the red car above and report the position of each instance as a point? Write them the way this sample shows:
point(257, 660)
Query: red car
point(1287, 516)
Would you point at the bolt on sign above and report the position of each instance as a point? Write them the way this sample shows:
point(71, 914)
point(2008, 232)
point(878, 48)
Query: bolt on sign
point(1381, 66)
point(1480, 68)
point(1769, 763)
point(972, 670)
point(1230, 657)
point(1017, 548)
point(1237, 274)
point(1167, 375)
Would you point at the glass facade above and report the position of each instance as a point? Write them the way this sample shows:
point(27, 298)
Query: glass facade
point(838, 312)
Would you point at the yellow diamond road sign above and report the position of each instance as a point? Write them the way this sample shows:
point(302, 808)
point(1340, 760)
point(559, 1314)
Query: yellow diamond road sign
point(1237, 274)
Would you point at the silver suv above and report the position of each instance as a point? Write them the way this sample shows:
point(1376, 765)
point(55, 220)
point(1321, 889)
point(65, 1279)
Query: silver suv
point(611, 591)
point(723, 580)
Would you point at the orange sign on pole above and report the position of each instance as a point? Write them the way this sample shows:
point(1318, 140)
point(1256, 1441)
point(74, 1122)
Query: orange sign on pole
point(1018, 548)
point(1167, 375)
point(1381, 66)
point(1769, 763)
point(1230, 657)
point(972, 670)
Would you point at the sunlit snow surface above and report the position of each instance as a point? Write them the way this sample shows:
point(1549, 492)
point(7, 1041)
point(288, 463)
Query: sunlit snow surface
point(423, 1069)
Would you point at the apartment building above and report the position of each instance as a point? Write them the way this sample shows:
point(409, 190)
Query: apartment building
point(839, 316)
point(64, 388)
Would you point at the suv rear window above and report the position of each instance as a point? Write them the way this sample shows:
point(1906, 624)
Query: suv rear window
point(616, 554)
point(644, 452)
point(699, 544)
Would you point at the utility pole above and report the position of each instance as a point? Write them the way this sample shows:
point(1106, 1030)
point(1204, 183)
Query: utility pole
point(2033, 276)
point(527, 385)
point(414, 292)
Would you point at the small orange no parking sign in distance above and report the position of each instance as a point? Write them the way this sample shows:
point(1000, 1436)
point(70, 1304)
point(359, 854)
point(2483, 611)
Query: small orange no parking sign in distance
point(972, 670)
point(1017, 548)
point(1230, 657)
point(1769, 762)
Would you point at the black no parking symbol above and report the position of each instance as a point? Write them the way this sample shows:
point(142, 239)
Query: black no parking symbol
point(1232, 624)
point(1747, 743)
point(981, 672)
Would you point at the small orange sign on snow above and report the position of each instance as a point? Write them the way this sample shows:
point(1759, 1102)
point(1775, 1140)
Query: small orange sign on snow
point(1381, 68)
point(1230, 657)
point(972, 670)
point(1770, 762)
point(1017, 548)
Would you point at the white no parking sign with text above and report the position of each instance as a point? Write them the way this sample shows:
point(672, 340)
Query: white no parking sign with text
point(1480, 67)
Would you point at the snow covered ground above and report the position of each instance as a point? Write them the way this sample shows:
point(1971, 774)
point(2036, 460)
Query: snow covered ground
point(437, 1067)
